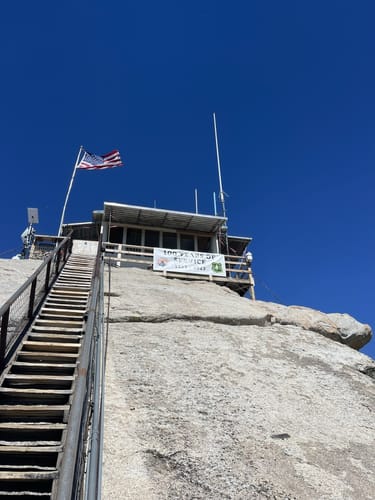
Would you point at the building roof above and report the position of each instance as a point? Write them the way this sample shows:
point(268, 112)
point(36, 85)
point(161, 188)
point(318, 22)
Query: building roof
point(156, 217)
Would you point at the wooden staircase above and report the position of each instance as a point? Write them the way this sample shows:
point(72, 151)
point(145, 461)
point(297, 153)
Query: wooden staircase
point(36, 388)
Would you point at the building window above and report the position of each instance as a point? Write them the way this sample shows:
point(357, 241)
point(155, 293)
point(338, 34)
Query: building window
point(187, 242)
point(169, 240)
point(204, 244)
point(115, 234)
point(151, 238)
point(133, 236)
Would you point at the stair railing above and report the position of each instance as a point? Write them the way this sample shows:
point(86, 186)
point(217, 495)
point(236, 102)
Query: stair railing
point(19, 310)
point(80, 468)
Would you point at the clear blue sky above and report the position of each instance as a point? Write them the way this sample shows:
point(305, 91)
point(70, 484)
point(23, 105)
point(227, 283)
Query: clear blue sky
point(293, 87)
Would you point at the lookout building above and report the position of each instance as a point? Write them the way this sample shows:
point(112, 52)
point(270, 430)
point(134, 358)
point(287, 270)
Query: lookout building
point(176, 244)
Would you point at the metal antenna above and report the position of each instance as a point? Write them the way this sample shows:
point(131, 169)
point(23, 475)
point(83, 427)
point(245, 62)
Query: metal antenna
point(196, 200)
point(221, 193)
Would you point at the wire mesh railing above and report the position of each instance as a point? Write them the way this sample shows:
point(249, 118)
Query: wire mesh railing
point(17, 312)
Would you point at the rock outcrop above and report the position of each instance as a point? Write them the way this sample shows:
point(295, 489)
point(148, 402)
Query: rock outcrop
point(209, 395)
point(156, 300)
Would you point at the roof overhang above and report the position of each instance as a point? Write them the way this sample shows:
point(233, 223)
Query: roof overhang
point(156, 217)
point(238, 243)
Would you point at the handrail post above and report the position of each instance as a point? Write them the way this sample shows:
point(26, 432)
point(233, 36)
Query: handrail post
point(48, 273)
point(32, 298)
point(57, 265)
point(3, 336)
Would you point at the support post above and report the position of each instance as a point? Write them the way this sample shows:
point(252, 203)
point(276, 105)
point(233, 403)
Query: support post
point(48, 273)
point(32, 298)
point(252, 285)
point(3, 337)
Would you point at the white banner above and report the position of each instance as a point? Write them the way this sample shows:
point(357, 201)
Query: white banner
point(184, 261)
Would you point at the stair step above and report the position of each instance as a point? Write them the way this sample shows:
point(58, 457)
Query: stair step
point(32, 442)
point(47, 434)
point(27, 484)
point(74, 294)
point(50, 357)
point(58, 323)
point(55, 337)
point(76, 274)
point(15, 380)
point(61, 312)
point(78, 296)
point(63, 306)
point(71, 281)
point(12, 395)
point(29, 345)
point(57, 318)
point(55, 329)
point(34, 413)
point(19, 367)
point(29, 449)
point(27, 475)
point(71, 272)
point(26, 456)
point(71, 288)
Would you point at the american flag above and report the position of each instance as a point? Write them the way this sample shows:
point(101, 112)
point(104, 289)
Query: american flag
point(91, 161)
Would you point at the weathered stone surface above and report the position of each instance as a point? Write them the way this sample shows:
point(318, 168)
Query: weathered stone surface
point(351, 331)
point(201, 403)
point(13, 274)
point(151, 297)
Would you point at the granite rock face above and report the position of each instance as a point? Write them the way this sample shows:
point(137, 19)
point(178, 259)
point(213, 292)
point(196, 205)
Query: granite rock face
point(13, 274)
point(209, 395)
point(160, 299)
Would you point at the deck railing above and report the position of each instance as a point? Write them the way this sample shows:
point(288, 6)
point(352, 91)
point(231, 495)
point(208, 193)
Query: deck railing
point(238, 270)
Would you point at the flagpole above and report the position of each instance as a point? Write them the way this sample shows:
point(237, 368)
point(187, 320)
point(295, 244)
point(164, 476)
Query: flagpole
point(69, 189)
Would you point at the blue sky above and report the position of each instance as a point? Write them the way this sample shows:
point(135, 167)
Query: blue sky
point(292, 84)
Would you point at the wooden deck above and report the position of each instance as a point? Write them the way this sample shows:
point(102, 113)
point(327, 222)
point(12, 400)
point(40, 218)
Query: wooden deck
point(238, 275)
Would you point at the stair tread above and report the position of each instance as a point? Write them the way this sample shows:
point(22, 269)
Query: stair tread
point(32, 426)
point(61, 312)
point(50, 336)
point(35, 354)
point(56, 329)
point(67, 302)
point(56, 322)
point(39, 411)
point(35, 449)
point(58, 314)
point(16, 376)
point(22, 390)
point(34, 442)
point(52, 344)
point(22, 364)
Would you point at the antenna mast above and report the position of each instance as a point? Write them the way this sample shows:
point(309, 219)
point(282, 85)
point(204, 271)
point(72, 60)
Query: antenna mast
point(221, 193)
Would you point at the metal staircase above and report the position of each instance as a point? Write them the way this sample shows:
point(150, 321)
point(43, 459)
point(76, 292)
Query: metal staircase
point(37, 387)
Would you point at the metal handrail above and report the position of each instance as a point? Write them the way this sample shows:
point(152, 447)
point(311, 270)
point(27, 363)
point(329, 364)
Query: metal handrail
point(48, 271)
point(70, 484)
